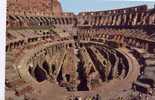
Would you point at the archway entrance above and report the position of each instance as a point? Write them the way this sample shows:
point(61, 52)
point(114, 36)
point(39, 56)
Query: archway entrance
point(39, 74)
point(46, 66)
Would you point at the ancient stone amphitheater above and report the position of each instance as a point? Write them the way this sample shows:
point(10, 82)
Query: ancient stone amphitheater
point(54, 55)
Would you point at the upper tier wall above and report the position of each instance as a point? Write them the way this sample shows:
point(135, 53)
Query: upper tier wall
point(116, 11)
point(133, 16)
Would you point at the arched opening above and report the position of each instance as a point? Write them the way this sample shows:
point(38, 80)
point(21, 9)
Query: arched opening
point(70, 45)
point(112, 60)
point(46, 66)
point(86, 22)
point(83, 85)
point(120, 67)
point(67, 77)
point(147, 81)
point(39, 74)
point(53, 68)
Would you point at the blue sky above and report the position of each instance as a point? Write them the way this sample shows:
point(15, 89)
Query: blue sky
point(89, 5)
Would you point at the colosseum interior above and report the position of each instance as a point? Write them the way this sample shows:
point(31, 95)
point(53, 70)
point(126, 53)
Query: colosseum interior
point(97, 55)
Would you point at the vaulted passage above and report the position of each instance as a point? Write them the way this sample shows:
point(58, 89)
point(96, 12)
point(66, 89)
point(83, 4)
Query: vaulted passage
point(53, 68)
point(123, 64)
point(110, 57)
point(83, 85)
point(46, 66)
point(67, 77)
point(97, 63)
point(39, 74)
point(82, 77)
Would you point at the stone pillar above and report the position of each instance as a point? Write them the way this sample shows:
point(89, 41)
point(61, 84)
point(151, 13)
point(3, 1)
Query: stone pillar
point(134, 19)
point(113, 21)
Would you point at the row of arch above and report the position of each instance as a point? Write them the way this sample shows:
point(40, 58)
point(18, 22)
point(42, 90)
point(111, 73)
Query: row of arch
point(117, 11)
point(40, 68)
point(50, 50)
point(129, 19)
point(119, 38)
point(42, 72)
point(23, 42)
point(38, 21)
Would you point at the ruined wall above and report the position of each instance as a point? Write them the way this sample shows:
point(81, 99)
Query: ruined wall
point(116, 11)
point(56, 8)
point(34, 7)
point(133, 16)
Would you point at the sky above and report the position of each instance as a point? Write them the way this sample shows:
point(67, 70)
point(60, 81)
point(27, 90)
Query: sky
point(77, 6)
